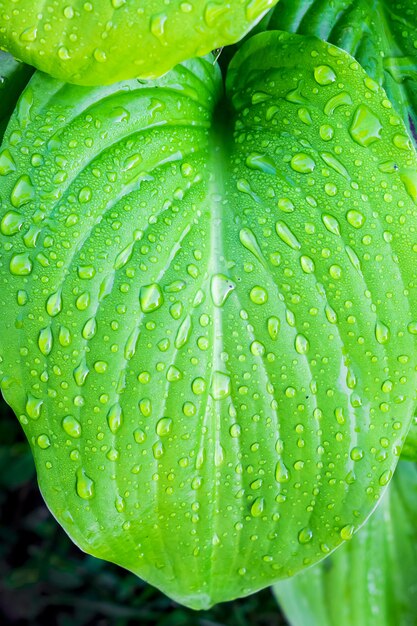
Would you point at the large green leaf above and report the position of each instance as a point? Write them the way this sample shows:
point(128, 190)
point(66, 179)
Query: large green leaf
point(104, 41)
point(13, 78)
point(206, 329)
point(371, 581)
point(380, 34)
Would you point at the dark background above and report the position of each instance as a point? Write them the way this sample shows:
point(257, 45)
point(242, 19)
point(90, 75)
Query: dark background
point(45, 580)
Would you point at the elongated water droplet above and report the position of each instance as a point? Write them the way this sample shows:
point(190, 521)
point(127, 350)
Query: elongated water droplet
point(45, 341)
point(115, 418)
point(220, 386)
point(54, 303)
point(258, 507)
point(84, 485)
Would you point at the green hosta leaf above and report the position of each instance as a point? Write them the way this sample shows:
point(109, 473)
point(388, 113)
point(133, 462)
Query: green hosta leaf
point(104, 41)
point(371, 581)
point(409, 450)
point(206, 328)
point(13, 78)
point(381, 34)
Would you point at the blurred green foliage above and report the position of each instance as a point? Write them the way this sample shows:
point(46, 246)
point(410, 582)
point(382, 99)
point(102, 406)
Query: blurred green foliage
point(45, 580)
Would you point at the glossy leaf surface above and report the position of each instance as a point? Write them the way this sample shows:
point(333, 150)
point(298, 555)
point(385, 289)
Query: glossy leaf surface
point(206, 328)
point(104, 41)
point(371, 581)
point(13, 78)
point(380, 34)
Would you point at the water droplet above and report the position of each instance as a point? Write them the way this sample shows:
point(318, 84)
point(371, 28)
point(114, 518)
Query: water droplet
point(11, 223)
point(84, 485)
point(324, 75)
point(151, 298)
point(23, 192)
point(339, 100)
point(261, 162)
point(43, 442)
point(183, 333)
point(385, 478)
point(157, 27)
point(164, 426)
point(71, 426)
point(139, 435)
point(220, 386)
point(287, 236)
point(382, 333)
point(305, 535)
point(80, 373)
point(347, 532)
point(115, 418)
point(89, 328)
point(307, 265)
point(326, 132)
point(235, 430)
point(355, 218)
point(20, 264)
point(356, 454)
point(157, 450)
point(248, 240)
point(302, 345)
point(285, 205)
point(335, 164)
point(220, 288)
point(274, 325)
point(331, 224)
point(282, 474)
point(86, 272)
point(303, 163)
point(45, 341)
point(85, 195)
point(258, 507)
point(366, 126)
point(54, 303)
point(99, 55)
point(7, 163)
point(33, 407)
point(258, 295)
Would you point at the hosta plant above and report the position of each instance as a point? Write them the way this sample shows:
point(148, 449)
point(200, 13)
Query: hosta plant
point(209, 309)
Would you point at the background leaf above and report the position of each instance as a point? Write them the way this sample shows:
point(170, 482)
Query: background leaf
point(372, 580)
point(97, 43)
point(207, 333)
point(13, 78)
point(380, 34)
point(409, 451)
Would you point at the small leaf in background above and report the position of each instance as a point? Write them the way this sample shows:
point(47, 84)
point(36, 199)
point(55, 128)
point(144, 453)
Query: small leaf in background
point(99, 43)
point(209, 333)
point(371, 580)
point(380, 34)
